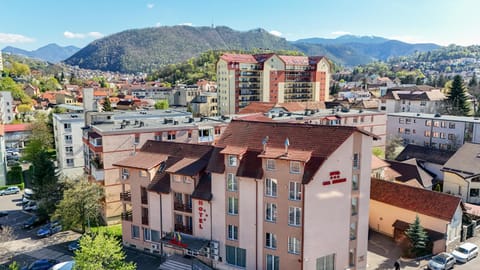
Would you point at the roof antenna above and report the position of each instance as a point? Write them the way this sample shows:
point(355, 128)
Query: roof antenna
point(287, 143)
point(264, 143)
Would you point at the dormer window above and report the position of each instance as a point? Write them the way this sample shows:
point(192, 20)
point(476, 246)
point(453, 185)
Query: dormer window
point(294, 167)
point(232, 160)
point(270, 164)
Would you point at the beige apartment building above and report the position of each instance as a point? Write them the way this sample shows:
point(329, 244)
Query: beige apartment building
point(111, 137)
point(246, 78)
point(265, 196)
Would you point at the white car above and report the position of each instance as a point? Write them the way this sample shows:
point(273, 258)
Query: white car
point(465, 252)
point(10, 190)
point(68, 265)
point(442, 261)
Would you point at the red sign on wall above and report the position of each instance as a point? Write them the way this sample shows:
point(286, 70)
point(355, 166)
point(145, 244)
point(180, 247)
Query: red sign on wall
point(334, 179)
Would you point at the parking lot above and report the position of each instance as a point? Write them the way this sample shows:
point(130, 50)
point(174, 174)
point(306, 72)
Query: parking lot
point(27, 247)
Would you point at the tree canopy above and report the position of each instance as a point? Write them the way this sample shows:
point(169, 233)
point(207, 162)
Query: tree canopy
point(161, 104)
point(457, 100)
point(418, 237)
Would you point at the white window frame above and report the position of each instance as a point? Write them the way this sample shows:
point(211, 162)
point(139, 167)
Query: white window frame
point(272, 258)
point(270, 164)
point(326, 262)
point(295, 167)
point(294, 245)
point(232, 160)
point(294, 216)
point(232, 206)
point(355, 181)
point(271, 212)
point(232, 182)
point(354, 206)
point(271, 187)
point(232, 232)
point(356, 161)
point(147, 235)
point(270, 240)
point(295, 191)
point(353, 230)
point(133, 231)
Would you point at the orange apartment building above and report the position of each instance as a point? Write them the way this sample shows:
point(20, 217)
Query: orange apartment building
point(265, 196)
point(246, 78)
point(110, 137)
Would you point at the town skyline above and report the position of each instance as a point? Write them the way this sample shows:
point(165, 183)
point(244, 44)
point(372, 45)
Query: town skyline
point(79, 24)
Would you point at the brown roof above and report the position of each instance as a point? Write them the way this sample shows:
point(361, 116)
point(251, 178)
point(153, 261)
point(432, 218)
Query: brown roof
point(410, 169)
point(142, 160)
point(423, 153)
point(203, 191)
point(426, 202)
point(378, 163)
point(257, 107)
point(241, 58)
point(320, 140)
point(466, 161)
point(294, 60)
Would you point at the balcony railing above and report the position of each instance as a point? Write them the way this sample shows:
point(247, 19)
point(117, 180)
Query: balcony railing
point(182, 207)
point(183, 229)
point(127, 216)
point(126, 196)
point(145, 220)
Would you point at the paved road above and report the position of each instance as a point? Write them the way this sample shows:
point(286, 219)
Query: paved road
point(382, 253)
point(27, 247)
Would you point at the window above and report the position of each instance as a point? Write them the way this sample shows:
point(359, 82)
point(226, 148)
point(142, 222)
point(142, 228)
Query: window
point(443, 124)
point(232, 206)
point(232, 232)
point(135, 231)
point(271, 187)
point(355, 182)
point(232, 160)
point(69, 150)
point(354, 206)
point(423, 103)
point(436, 134)
point(408, 121)
point(236, 256)
point(356, 160)
point(451, 125)
point(68, 138)
point(136, 139)
point(189, 134)
point(427, 133)
point(70, 162)
point(67, 126)
point(294, 216)
point(155, 235)
point(273, 262)
point(172, 135)
point(295, 191)
point(474, 192)
point(232, 184)
point(407, 131)
point(270, 164)
point(401, 130)
point(217, 131)
point(428, 123)
point(143, 173)
point(436, 123)
point(158, 138)
point(147, 236)
point(353, 231)
point(442, 135)
point(271, 212)
point(293, 245)
point(351, 257)
point(326, 262)
point(270, 240)
point(125, 172)
point(294, 167)
point(451, 136)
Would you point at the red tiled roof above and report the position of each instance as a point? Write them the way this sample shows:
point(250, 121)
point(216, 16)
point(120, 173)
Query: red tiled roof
point(426, 202)
point(259, 117)
point(257, 107)
point(294, 60)
point(241, 58)
point(142, 160)
point(17, 127)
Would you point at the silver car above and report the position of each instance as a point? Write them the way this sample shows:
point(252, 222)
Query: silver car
point(9, 190)
point(442, 261)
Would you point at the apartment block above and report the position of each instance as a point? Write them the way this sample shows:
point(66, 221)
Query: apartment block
point(7, 113)
point(416, 99)
point(67, 130)
point(245, 78)
point(265, 196)
point(444, 132)
point(111, 136)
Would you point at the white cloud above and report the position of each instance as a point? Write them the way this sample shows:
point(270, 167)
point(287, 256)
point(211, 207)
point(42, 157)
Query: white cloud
point(69, 34)
point(187, 24)
point(14, 38)
point(150, 6)
point(276, 33)
point(158, 24)
point(340, 33)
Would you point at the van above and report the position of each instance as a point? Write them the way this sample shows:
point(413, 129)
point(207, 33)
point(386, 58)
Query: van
point(27, 195)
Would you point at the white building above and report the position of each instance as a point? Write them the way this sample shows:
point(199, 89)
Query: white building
point(444, 132)
point(68, 136)
point(418, 99)
point(6, 107)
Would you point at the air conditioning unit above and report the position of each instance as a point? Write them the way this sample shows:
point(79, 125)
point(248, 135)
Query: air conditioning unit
point(125, 176)
point(155, 246)
point(214, 245)
point(214, 251)
point(216, 257)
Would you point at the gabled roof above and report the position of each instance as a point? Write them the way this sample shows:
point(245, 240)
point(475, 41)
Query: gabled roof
point(427, 154)
point(257, 107)
point(466, 161)
point(425, 202)
point(314, 139)
point(17, 127)
point(142, 160)
point(240, 58)
point(410, 170)
point(294, 60)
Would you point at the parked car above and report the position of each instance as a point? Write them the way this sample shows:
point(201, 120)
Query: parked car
point(68, 265)
point(10, 190)
point(30, 206)
point(33, 221)
point(74, 246)
point(27, 195)
point(465, 252)
point(43, 264)
point(49, 229)
point(442, 261)
point(3, 213)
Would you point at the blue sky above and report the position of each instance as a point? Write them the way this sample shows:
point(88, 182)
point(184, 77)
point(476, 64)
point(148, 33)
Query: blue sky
point(30, 24)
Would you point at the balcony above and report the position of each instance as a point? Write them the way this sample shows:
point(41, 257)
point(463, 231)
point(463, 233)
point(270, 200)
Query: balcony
point(126, 196)
point(178, 206)
point(127, 216)
point(98, 174)
point(145, 220)
point(183, 229)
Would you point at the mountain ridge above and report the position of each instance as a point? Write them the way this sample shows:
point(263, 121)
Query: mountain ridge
point(52, 52)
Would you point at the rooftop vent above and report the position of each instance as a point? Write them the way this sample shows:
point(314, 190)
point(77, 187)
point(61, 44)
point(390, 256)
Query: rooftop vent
point(437, 115)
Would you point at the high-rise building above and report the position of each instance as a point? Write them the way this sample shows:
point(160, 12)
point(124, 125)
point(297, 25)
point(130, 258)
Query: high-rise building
point(246, 78)
point(265, 196)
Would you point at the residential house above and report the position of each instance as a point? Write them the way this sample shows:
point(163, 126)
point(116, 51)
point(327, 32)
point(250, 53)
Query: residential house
point(7, 112)
point(184, 94)
point(64, 97)
point(31, 90)
point(68, 134)
point(412, 174)
point(233, 212)
point(382, 170)
point(444, 132)
point(246, 78)
point(205, 104)
point(462, 173)
point(415, 99)
point(17, 135)
point(394, 206)
point(431, 160)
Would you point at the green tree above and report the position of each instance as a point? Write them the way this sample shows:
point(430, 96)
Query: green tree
point(378, 152)
point(392, 147)
point(19, 69)
point(49, 84)
point(473, 83)
point(418, 237)
point(161, 104)
point(15, 175)
point(81, 204)
point(45, 184)
point(107, 106)
point(101, 252)
point(457, 100)
point(41, 139)
point(14, 266)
